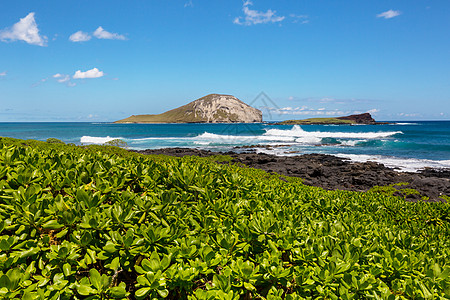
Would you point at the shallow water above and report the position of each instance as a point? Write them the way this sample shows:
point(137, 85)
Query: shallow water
point(407, 145)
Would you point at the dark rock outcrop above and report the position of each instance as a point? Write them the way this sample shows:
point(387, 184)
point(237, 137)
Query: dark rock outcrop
point(334, 173)
point(365, 118)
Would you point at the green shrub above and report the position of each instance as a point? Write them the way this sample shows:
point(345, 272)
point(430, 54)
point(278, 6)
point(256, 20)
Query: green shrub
point(54, 141)
point(116, 143)
point(97, 222)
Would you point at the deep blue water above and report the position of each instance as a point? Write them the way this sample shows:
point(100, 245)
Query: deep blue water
point(408, 145)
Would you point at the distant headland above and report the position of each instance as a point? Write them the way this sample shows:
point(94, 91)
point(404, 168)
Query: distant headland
point(213, 108)
point(364, 118)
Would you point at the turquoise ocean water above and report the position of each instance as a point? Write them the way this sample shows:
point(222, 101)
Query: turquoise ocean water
point(408, 146)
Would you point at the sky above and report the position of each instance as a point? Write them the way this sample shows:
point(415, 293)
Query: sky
point(100, 61)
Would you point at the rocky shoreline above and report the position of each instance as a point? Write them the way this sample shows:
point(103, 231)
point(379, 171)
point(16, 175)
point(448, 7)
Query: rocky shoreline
point(335, 173)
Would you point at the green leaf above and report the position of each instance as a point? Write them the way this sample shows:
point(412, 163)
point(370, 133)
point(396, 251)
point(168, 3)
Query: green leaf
point(95, 278)
point(249, 286)
point(67, 269)
point(5, 282)
point(52, 224)
point(142, 292)
point(86, 290)
point(114, 265)
point(163, 293)
point(118, 292)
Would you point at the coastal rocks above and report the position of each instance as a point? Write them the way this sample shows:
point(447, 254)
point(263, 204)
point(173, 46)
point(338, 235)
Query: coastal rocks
point(365, 118)
point(213, 108)
point(334, 173)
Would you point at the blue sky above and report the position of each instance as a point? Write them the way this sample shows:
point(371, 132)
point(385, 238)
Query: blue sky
point(105, 60)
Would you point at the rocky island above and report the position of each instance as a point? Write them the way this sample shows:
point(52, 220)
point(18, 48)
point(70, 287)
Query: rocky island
point(213, 108)
point(364, 118)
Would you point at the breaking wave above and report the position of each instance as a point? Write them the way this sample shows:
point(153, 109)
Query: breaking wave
point(297, 131)
point(96, 140)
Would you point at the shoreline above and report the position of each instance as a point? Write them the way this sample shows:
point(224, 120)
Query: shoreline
point(335, 173)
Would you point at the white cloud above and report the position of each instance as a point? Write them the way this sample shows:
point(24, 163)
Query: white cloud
point(93, 73)
point(189, 4)
point(253, 17)
point(64, 78)
point(80, 36)
point(373, 111)
point(25, 30)
point(307, 111)
point(3, 73)
point(100, 33)
point(302, 19)
point(389, 14)
point(408, 115)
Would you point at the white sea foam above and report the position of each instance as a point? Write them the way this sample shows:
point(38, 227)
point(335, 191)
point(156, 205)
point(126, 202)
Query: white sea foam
point(96, 140)
point(223, 138)
point(298, 132)
point(404, 124)
point(352, 143)
point(402, 164)
point(309, 140)
point(202, 143)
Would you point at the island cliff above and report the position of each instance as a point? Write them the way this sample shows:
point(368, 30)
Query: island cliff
point(213, 108)
point(364, 118)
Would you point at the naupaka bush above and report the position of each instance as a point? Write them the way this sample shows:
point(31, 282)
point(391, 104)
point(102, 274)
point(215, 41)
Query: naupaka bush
point(104, 223)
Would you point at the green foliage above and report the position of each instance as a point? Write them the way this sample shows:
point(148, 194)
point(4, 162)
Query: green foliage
point(98, 222)
point(116, 143)
point(395, 189)
point(54, 141)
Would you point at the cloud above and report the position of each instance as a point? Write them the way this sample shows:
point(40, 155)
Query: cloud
point(25, 30)
point(253, 17)
point(80, 36)
point(93, 73)
point(389, 14)
point(307, 111)
point(3, 73)
point(408, 115)
point(63, 78)
point(189, 4)
point(100, 33)
point(373, 111)
point(302, 19)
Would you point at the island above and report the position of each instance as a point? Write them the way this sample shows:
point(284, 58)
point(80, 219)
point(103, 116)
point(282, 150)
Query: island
point(364, 118)
point(213, 108)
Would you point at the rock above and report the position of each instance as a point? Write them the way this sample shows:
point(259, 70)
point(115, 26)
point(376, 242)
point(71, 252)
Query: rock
point(334, 173)
point(213, 108)
point(365, 118)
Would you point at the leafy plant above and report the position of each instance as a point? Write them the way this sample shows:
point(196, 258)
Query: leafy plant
point(101, 222)
point(116, 143)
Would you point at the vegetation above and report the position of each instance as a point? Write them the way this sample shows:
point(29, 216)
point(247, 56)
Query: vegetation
point(54, 141)
point(99, 222)
point(117, 143)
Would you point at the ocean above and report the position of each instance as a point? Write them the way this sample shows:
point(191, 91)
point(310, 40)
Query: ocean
point(408, 146)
